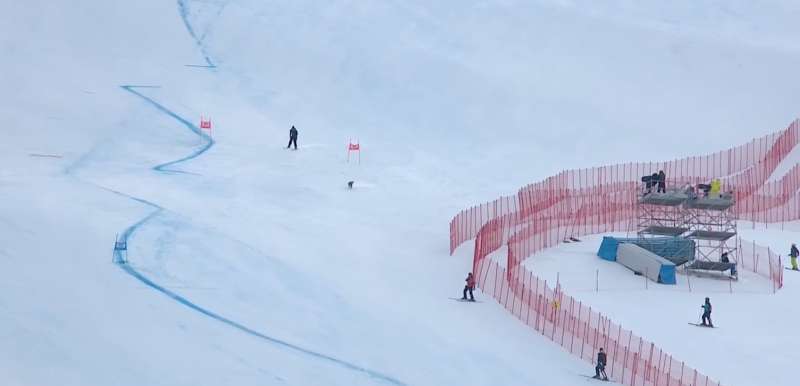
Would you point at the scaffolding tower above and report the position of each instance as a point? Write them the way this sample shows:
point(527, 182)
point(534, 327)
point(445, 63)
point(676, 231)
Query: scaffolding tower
point(712, 224)
point(661, 220)
point(693, 232)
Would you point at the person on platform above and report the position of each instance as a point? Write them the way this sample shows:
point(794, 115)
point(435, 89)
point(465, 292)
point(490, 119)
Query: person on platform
point(707, 314)
point(705, 188)
point(793, 252)
point(600, 369)
point(662, 182)
point(469, 287)
point(648, 184)
point(715, 189)
point(724, 258)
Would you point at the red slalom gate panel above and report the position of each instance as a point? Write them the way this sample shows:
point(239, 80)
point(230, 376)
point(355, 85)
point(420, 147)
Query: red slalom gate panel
point(575, 203)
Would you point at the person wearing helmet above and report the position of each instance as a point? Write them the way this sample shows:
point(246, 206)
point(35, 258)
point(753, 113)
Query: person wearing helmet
point(793, 252)
point(469, 287)
point(600, 369)
point(707, 313)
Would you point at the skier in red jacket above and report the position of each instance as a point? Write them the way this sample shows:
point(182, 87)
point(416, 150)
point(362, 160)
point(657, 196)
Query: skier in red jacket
point(469, 287)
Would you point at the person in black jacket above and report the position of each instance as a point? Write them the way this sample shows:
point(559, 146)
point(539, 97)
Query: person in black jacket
point(600, 369)
point(707, 313)
point(292, 138)
point(662, 182)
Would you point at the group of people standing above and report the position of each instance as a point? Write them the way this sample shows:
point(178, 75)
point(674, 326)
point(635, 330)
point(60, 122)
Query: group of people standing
point(657, 180)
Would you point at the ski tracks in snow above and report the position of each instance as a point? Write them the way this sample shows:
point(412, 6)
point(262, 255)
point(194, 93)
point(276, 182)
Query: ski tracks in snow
point(128, 233)
point(157, 209)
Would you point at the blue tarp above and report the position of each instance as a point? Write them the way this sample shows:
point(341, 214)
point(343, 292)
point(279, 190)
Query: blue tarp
point(666, 272)
point(675, 249)
point(608, 248)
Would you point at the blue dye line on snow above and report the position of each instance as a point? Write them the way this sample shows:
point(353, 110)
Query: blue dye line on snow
point(209, 142)
point(180, 299)
point(143, 86)
point(128, 233)
point(183, 9)
point(200, 65)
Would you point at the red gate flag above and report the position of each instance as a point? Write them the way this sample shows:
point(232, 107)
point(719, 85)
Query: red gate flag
point(205, 123)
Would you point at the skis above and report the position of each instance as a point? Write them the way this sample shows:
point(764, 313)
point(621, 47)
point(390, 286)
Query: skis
point(571, 240)
point(789, 269)
point(465, 300)
point(701, 325)
point(591, 377)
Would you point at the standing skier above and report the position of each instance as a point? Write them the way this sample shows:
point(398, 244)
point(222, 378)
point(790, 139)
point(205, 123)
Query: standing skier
point(707, 313)
point(793, 256)
point(469, 287)
point(662, 182)
point(600, 369)
point(292, 138)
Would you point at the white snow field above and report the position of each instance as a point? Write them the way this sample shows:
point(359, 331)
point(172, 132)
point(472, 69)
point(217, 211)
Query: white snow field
point(249, 264)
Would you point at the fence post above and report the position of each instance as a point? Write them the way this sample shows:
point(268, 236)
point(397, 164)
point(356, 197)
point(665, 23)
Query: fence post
point(527, 303)
point(669, 374)
point(508, 285)
point(596, 332)
point(616, 346)
point(496, 272)
point(625, 361)
point(689, 280)
point(539, 304)
point(597, 280)
point(660, 368)
point(572, 318)
point(514, 294)
point(771, 271)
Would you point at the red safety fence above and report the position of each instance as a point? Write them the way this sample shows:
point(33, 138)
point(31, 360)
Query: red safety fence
point(603, 199)
point(761, 260)
point(743, 169)
point(582, 331)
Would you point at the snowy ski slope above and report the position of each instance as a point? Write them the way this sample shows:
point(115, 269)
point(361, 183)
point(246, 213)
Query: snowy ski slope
point(253, 265)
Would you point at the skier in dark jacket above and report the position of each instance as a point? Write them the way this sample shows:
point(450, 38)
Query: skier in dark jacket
point(600, 369)
point(662, 182)
point(707, 313)
point(292, 138)
point(793, 256)
point(469, 287)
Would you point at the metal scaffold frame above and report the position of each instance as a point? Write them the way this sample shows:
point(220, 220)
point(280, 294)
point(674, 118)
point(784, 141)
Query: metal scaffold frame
point(714, 230)
point(709, 222)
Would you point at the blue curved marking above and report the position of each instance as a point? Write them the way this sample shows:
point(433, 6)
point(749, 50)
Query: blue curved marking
point(180, 299)
point(128, 233)
point(183, 9)
point(208, 141)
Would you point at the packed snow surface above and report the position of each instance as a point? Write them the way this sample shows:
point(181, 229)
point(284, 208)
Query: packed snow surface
point(250, 264)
